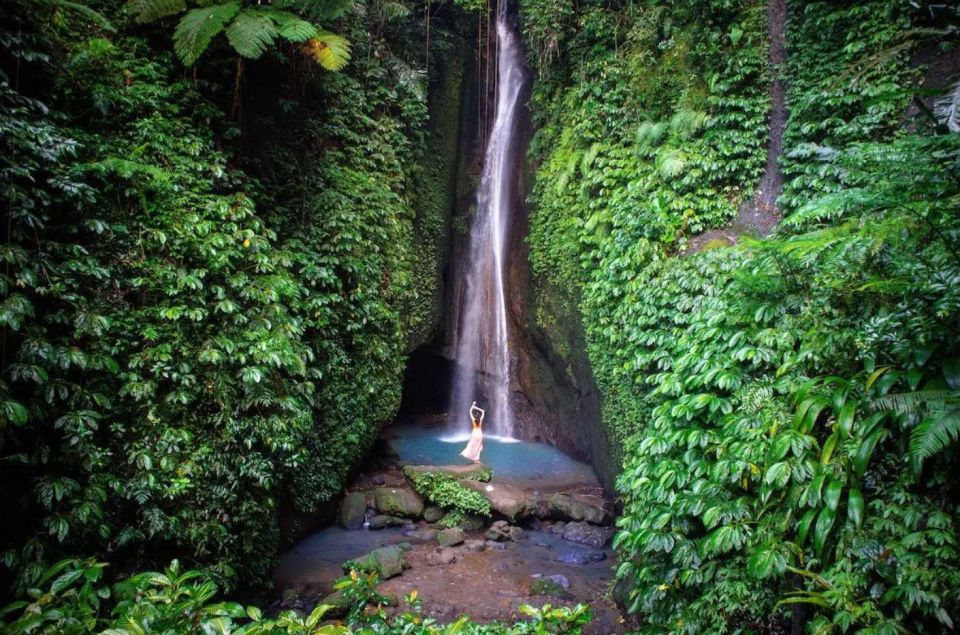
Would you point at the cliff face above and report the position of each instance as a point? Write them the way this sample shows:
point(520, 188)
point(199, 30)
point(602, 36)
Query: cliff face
point(554, 398)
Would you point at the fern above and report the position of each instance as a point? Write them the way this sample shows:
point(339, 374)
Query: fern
point(934, 434)
point(198, 27)
point(87, 12)
point(251, 33)
point(331, 51)
point(146, 11)
point(911, 402)
point(292, 28)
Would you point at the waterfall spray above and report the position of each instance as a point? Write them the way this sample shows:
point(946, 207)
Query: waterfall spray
point(483, 340)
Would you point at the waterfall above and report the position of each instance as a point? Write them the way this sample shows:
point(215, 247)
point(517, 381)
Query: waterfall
point(482, 346)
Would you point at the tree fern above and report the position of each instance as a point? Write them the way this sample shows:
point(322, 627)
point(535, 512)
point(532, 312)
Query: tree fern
point(329, 50)
point(292, 28)
point(251, 33)
point(934, 434)
point(198, 27)
point(146, 11)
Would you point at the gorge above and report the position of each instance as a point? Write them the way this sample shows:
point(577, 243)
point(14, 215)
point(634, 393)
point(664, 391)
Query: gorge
point(697, 262)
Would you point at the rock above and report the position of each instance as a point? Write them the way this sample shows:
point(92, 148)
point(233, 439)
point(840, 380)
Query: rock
point(382, 521)
point(587, 534)
point(379, 479)
point(559, 579)
point(506, 500)
point(472, 523)
point(398, 502)
point(289, 599)
point(533, 523)
point(340, 605)
point(573, 557)
point(353, 509)
point(542, 542)
point(422, 534)
point(598, 556)
point(499, 530)
point(516, 534)
point(432, 514)
point(475, 472)
point(386, 561)
point(557, 528)
point(574, 508)
point(474, 545)
point(493, 544)
point(450, 537)
point(546, 586)
point(444, 556)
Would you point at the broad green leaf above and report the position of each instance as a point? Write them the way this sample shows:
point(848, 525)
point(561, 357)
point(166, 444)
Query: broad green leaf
point(855, 506)
point(832, 496)
point(822, 529)
point(865, 451)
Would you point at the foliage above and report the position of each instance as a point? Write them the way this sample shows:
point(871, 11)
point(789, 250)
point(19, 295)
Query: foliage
point(184, 346)
point(448, 493)
point(784, 407)
point(250, 29)
point(70, 598)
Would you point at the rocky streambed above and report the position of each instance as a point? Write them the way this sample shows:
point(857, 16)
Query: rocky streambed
point(546, 539)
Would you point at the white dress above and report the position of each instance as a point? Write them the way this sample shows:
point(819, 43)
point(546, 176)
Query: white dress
point(474, 445)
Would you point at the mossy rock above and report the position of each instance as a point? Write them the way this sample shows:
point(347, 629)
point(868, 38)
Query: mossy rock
point(549, 588)
point(353, 509)
point(386, 561)
point(398, 502)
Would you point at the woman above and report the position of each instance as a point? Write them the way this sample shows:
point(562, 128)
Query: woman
point(475, 444)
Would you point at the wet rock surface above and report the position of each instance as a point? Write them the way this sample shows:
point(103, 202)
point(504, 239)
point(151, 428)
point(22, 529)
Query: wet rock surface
point(395, 501)
point(353, 509)
point(542, 545)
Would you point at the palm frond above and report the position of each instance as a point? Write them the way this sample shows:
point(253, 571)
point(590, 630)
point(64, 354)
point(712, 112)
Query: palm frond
point(198, 27)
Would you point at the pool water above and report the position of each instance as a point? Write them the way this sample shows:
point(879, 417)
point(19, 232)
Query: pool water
point(509, 458)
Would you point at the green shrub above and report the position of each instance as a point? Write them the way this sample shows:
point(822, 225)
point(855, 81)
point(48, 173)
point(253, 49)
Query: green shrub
point(447, 492)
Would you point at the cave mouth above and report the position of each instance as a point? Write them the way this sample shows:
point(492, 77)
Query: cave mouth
point(426, 387)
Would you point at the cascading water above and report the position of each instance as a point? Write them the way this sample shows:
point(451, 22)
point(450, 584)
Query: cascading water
point(483, 341)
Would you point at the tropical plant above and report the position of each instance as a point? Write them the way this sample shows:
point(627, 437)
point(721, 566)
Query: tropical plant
point(250, 29)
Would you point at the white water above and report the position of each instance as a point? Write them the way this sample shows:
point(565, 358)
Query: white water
point(483, 340)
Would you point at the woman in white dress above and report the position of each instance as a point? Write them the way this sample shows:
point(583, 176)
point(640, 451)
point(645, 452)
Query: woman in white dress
point(475, 444)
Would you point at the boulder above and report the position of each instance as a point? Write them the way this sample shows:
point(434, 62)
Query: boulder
point(498, 531)
point(550, 588)
point(592, 509)
point(444, 556)
point(422, 534)
point(353, 509)
point(586, 534)
point(432, 514)
point(386, 561)
point(472, 523)
point(506, 500)
point(339, 605)
point(398, 502)
point(450, 537)
point(474, 545)
point(559, 579)
point(516, 534)
point(382, 521)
